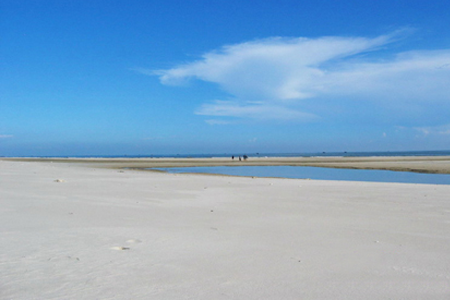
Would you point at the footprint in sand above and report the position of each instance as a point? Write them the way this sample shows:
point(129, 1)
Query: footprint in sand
point(120, 248)
point(131, 241)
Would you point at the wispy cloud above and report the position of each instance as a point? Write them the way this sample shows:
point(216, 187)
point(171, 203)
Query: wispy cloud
point(415, 76)
point(434, 130)
point(271, 78)
point(5, 136)
point(254, 110)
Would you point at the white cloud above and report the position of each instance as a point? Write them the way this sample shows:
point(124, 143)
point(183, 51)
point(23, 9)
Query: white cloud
point(416, 76)
point(275, 68)
point(434, 130)
point(5, 136)
point(252, 110)
point(269, 78)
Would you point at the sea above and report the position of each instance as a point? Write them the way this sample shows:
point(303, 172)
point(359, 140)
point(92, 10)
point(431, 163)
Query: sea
point(257, 154)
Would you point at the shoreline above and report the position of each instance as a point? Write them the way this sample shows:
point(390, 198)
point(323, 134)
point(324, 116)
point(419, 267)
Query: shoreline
point(417, 164)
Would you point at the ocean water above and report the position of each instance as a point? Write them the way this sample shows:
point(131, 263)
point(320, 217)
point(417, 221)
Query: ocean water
point(296, 154)
point(318, 173)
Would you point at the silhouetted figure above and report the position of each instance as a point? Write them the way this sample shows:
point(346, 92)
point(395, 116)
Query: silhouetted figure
point(240, 158)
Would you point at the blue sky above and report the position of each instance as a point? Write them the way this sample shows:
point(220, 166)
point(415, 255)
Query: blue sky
point(182, 77)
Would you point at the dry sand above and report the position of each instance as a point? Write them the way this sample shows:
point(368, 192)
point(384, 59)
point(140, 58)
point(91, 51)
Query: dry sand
point(73, 231)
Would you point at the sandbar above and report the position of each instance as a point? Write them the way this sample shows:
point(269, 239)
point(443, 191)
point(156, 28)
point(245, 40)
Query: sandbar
point(420, 164)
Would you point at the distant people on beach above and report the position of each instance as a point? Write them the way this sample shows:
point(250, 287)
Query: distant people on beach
point(243, 157)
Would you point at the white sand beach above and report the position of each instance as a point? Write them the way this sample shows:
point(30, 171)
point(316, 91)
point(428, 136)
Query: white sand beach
point(78, 231)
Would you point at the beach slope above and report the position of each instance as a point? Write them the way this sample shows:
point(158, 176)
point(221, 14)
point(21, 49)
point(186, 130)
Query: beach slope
point(73, 231)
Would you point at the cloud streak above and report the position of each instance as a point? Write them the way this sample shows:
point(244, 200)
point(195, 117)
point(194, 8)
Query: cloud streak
point(256, 110)
point(269, 79)
point(434, 130)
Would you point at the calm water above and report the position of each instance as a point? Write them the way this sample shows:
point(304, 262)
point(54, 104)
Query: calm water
point(319, 173)
point(296, 154)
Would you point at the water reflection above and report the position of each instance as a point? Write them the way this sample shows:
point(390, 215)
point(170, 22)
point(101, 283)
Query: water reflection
point(319, 173)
